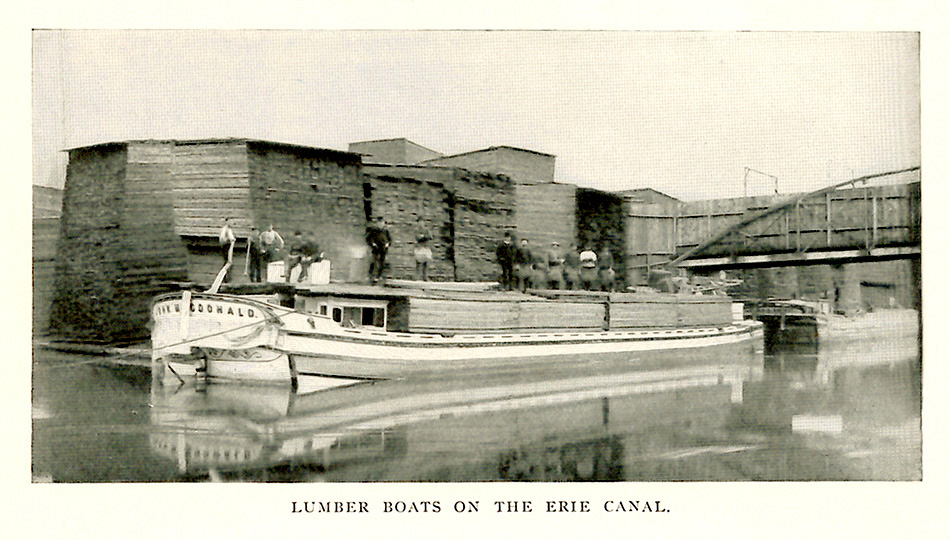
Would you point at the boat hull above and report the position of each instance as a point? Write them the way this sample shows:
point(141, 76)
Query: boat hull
point(280, 345)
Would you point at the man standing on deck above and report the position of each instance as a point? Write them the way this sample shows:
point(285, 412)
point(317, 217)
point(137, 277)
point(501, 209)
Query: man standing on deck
point(506, 258)
point(255, 256)
point(607, 275)
point(422, 252)
point(378, 239)
point(554, 266)
point(588, 269)
point(523, 269)
point(572, 268)
point(226, 240)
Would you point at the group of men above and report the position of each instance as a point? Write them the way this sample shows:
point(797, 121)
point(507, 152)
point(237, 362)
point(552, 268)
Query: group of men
point(522, 268)
point(264, 247)
point(302, 250)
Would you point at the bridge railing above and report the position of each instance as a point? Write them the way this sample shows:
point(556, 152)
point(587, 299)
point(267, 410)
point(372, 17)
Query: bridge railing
point(837, 217)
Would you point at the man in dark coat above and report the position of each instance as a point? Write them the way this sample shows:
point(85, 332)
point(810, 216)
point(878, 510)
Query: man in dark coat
point(523, 265)
point(506, 259)
point(255, 256)
point(554, 262)
point(378, 239)
point(571, 271)
point(607, 274)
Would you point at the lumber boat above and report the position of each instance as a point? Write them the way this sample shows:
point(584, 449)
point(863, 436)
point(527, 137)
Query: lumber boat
point(279, 333)
point(813, 323)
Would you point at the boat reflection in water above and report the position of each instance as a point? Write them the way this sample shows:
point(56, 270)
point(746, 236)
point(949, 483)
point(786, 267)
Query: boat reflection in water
point(561, 425)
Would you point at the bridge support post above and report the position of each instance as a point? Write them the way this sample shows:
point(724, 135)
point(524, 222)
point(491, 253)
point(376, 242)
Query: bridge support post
point(847, 288)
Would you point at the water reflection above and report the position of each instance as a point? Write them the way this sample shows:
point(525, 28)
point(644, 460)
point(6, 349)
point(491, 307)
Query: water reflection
point(433, 429)
point(831, 415)
point(841, 413)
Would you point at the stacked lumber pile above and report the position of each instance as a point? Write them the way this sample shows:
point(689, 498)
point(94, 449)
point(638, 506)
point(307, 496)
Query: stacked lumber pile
point(210, 184)
point(465, 213)
point(408, 205)
point(452, 316)
point(483, 210)
point(600, 223)
point(499, 315)
point(118, 243)
point(661, 310)
point(45, 238)
point(546, 213)
point(310, 190)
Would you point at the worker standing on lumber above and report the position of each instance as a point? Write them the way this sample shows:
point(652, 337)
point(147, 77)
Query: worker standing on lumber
point(572, 276)
point(505, 252)
point(255, 256)
point(523, 269)
point(422, 252)
point(555, 264)
point(608, 276)
point(271, 243)
point(588, 269)
point(378, 239)
point(226, 240)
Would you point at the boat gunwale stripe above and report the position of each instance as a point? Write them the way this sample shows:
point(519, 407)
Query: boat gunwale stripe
point(411, 344)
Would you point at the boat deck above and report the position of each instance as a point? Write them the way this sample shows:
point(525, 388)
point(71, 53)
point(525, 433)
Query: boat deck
point(475, 291)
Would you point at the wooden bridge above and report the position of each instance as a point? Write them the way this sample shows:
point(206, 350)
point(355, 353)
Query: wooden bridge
point(851, 221)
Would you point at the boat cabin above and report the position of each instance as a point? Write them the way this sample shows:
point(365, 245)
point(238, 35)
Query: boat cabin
point(350, 312)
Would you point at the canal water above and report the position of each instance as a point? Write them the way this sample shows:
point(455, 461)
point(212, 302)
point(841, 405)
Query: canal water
point(851, 414)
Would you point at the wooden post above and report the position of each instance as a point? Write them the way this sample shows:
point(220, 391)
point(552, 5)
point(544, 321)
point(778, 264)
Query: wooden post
point(874, 221)
point(788, 231)
point(676, 234)
point(828, 218)
point(798, 226)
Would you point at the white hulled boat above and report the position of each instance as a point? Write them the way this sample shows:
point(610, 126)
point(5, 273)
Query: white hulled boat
point(362, 332)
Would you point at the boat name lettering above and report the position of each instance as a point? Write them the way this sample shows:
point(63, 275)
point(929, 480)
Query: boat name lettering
point(163, 309)
point(207, 307)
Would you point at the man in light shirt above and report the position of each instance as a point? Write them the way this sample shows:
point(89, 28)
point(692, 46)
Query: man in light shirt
point(226, 240)
point(588, 269)
point(271, 243)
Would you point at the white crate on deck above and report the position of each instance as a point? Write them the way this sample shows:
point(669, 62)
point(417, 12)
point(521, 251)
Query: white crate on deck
point(318, 274)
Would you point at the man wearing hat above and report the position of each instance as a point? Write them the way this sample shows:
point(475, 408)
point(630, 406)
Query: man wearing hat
point(255, 256)
point(555, 261)
point(506, 259)
point(523, 265)
point(378, 239)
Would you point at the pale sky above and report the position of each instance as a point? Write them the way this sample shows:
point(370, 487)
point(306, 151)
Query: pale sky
point(681, 112)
